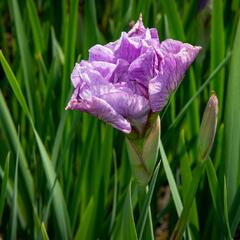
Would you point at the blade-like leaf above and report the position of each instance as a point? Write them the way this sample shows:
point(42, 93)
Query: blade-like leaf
point(11, 133)
point(182, 221)
point(225, 205)
point(231, 127)
point(59, 204)
point(24, 49)
point(84, 231)
point(4, 186)
point(58, 198)
point(13, 233)
point(44, 232)
point(36, 27)
point(216, 198)
point(186, 179)
point(146, 206)
point(14, 84)
point(114, 208)
point(69, 47)
point(217, 48)
point(128, 229)
point(234, 214)
point(174, 20)
point(171, 181)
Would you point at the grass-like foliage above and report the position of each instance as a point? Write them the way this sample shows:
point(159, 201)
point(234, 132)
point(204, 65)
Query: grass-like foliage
point(66, 175)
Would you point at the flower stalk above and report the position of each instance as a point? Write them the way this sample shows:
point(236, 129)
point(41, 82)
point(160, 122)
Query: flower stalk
point(143, 152)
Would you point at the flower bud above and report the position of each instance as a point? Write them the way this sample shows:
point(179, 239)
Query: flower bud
point(208, 128)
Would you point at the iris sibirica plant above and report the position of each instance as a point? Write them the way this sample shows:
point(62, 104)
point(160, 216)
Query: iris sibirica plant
point(126, 83)
point(151, 169)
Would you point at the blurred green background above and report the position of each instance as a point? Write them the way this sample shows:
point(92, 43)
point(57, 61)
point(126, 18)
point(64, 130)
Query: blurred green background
point(66, 175)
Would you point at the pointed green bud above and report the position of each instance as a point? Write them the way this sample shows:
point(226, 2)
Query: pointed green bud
point(143, 151)
point(208, 128)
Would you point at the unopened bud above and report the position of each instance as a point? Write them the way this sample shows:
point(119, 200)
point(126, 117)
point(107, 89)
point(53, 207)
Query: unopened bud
point(208, 128)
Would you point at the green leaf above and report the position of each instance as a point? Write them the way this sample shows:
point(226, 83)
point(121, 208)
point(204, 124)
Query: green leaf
point(56, 48)
point(171, 181)
point(217, 49)
point(191, 12)
point(40, 226)
point(44, 232)
point(70, 34)
point(226, 208)
point(11, 133)
point(231, 127)
point(234, 213)
point(176, 27)
point(59, 204)
point(182, 221)
point(4, 186)
point(186, 179)
point(36, 27)
point(213, 184)
point(23, 209)
point(13, 233)
point(14, 84)
point(24, 49)
point(84, 231)
point(128, 229)
point(216, 198)
point(58, 198)
point(114, 208)
point(83, 180)
point(58, 139)
point(146, 205)
point(106, 156)
point(91, 33)
point(235, 5)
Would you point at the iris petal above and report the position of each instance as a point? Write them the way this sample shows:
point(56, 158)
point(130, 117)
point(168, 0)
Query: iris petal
point(101, 53)
point(177, 57)
point(100, 109)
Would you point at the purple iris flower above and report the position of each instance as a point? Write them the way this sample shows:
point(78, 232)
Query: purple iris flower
point(125, 81)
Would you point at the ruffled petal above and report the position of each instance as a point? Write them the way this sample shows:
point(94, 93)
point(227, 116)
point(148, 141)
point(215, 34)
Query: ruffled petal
point(127, 48)
point(75, 76)
point(101, 53)
point(133, 107)
point(158, 92)
point(185, 51)
point(128, 105)
point(177, 57)
point(100, 109)
point(121, 71)
point(106, 69)
point(85, 73)
point(142, 68)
